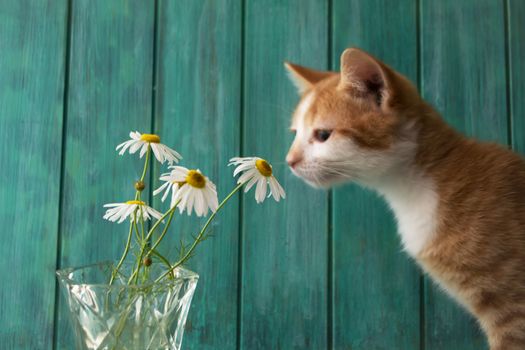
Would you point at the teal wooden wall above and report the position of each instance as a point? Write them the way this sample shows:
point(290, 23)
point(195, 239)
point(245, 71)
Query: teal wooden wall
point(320, 270)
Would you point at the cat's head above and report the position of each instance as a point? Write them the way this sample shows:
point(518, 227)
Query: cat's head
point(352, 125)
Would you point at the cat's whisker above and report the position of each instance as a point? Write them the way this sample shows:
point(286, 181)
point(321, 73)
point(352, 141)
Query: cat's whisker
point(333, 171)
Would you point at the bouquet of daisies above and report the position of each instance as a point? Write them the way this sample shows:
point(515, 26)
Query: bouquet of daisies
point(189, 191)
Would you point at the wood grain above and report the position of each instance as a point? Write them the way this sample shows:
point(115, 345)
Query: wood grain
point(463, 75)
point(284, 260)
point(31, 94)
point(516, 72)
point(376, 286)
point(198, 113)
point(110, 84)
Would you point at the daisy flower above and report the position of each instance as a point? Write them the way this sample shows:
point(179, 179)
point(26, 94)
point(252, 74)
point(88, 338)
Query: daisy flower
point(190, 189)
point(257, 170)
point(143, 141)
point(168, 185)
point(120, 211)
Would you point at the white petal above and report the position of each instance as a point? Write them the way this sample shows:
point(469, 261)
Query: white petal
point(165, 195)
point(242, 167)
point(178, 174)
point(260, 191)
point(156, 214)
point(240, 160)
point(131, 211)
point(145, 215)
point(143, 150)
point(179, 169)
point(273, 189)
point(110, 213)
point(121, 145)
point(199, 203)
point(161, 150)
point(166, 177)
point(234, 160)
point(206, 204)
point(109, 216)
point(207, 195)
point(171, 154)
point(117, 212)
point(182, 196)
point(281, 189)
point(174, 197)
point(252, 181)
point(191, 200)
point(136, 145)
point(161, 188)
point(113, 205)
point(212, 199)
point(126, 145)
point(158, 155)
point(248, 175)
point(210, 185)
point(139, 213)
point(128, 210)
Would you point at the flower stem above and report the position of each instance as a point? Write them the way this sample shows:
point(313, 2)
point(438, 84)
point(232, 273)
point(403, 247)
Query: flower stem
point(145, 164)
point(198, 239)
point(142, 231)
point(126, 251)
point(142, 255)
point(162, 258)
point(136, 229)
point(143, 248)
point(144, 171)
point(163, 232)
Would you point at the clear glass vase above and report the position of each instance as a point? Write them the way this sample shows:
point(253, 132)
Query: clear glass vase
point(120, 316)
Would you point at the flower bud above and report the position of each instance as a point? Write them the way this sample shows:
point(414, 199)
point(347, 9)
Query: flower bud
point(140, 185)
point(147, 261)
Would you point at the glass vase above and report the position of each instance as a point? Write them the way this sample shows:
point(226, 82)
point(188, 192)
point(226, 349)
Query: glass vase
point(149, 315)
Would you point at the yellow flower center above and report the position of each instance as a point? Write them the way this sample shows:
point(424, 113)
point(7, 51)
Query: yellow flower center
point(195, 179)
point(264, 167)
point(135, 202)
point(151, 138)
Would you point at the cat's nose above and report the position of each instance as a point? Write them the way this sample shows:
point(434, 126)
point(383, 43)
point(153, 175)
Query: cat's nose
point(293, 160)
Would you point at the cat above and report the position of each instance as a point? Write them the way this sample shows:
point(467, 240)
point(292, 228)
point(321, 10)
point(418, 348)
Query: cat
point(459, 203)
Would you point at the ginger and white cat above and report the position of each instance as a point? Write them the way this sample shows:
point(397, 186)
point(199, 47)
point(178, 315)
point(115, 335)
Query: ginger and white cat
point(459, 203)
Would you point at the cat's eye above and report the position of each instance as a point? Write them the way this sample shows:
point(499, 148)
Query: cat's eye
point(321, 135)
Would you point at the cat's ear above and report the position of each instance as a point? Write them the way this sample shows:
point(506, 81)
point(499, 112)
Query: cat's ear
point(304, 78)
point(365, 76)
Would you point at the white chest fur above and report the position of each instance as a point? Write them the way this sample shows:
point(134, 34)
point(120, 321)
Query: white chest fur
point(414, 202)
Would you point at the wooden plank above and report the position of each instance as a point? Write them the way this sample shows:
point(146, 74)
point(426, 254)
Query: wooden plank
point(463, 75)
point(198, 113)
point(376, 286)
point(516, 37)
point(284, 258)
point(110, 88)
point(32, 44)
